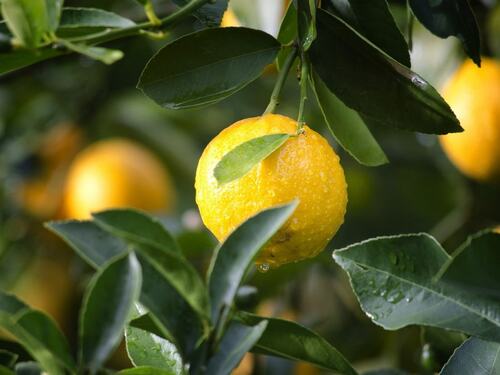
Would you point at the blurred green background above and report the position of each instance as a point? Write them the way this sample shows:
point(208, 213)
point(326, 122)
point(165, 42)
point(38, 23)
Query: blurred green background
point(86, 101)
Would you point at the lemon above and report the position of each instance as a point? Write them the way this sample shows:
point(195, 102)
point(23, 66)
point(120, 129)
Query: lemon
point(116, 173)
point(229, 19)
point(474, 95)
point(304, 167)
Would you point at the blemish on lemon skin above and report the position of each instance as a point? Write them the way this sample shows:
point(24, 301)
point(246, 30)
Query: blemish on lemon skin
point(305, 167)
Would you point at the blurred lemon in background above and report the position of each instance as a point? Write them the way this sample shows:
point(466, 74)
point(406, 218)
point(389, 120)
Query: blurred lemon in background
point(474, 95)
point(40, 195)
point(229, 19)
point(117, 173)
point(304, 167)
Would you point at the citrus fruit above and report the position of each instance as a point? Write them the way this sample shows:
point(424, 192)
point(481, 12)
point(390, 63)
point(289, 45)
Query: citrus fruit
point(304, 167)
point(229, 19)
point(474, 95)
point(116, 173)
point(41, 194)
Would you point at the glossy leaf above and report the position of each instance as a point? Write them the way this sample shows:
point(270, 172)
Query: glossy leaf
point(241, 159)
point(146, 370)
point(177, 271)
point(235, 343)
point(209, 14)
point(287, 339)
point(137, 227)
point(96, 246)
point(28, 368)
point(91, 243)
point(91, 17)
point(107, 304)
point(476, 357)
point(474, 267)
point(37, 333)
point(395, 281)
point(445, 18)
point(6, 370)
point(374, 21)
point(147, 349)
point(170, 309)
point(149, 323)
point(372, 83)
point(348, 128)
point(306, 22)
point(287, 33)
point(234, 256)
point(27, 20)
point(18, 59)
point(105, 55)
point(209, 66)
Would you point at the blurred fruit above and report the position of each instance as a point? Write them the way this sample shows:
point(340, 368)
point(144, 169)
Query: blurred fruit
point(116, 173)
point(305, 167)
point(41, 194)
point(47, 285)
point(474, 95)
point(246, 365)
point(270, 308)
point(229, 19)
point(304, 368)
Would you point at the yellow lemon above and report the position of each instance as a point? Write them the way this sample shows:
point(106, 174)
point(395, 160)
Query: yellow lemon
point(116, 173)
point(246, 365)
point(474, 95)
point(229, 19)
point(304, 167)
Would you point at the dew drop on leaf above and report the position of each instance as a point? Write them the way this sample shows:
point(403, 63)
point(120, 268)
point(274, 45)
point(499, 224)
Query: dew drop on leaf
point(264, 267)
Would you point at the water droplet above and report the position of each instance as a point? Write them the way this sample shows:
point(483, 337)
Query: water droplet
point(395, 297)
point(264, 267)
point(418, 81)
point(383, 293)
point(372, 316)
point(408, 299)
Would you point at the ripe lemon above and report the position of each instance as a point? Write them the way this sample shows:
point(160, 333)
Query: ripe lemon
point(229, 19)
point(474, 95)
point(41, 195)
point(116, 173)
point(305, 167)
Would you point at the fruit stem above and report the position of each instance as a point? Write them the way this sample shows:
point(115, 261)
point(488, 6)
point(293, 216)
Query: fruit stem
point(304, 74)
point(278, 86)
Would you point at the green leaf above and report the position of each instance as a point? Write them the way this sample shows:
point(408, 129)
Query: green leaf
point(27, 20)
point(18, 59)
point(149, 323)
point(347, 127)
point(96, 246)
point(91, 17)
point(306, 22)
point(287, 339)
point(476, 357)
point(105, 55)
point(209, 14)
point(146, 370)
point(37, 333)
point(209, 65)
point(107, 304)
point(395, 280)
point(287, 33)
point(137, 227)
point(234, 256)
point(372, 83)
point(156, 244)
point(388, 371)
point(235, 343)
point(474, 267)
point(170, 309)
point(241, 159)
point(147, 349)
point(91, 243)
point(374, 21)
point(445, 18)
point(6, 371)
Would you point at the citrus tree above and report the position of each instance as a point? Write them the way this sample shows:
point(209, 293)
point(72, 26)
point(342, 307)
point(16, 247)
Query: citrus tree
point(270, 188)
